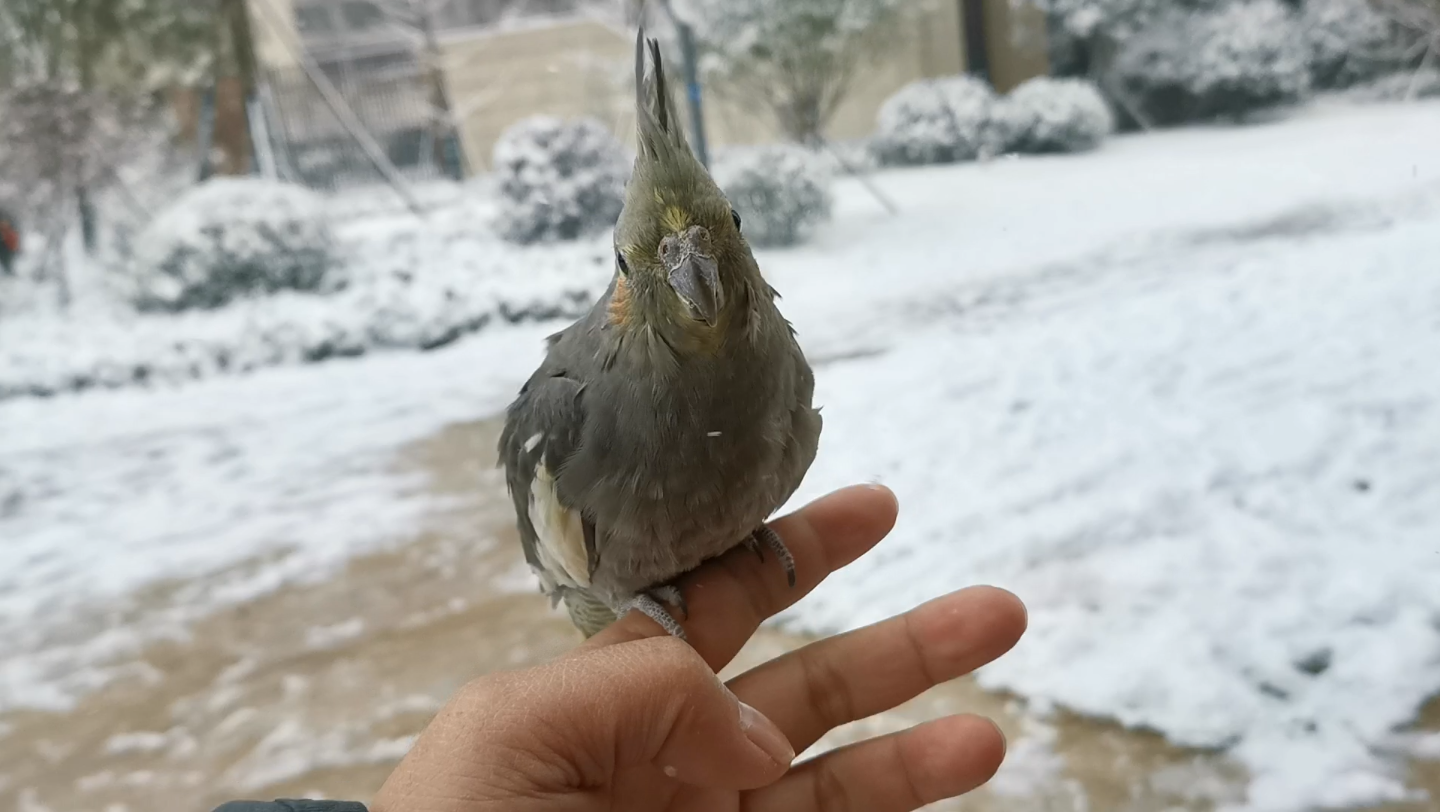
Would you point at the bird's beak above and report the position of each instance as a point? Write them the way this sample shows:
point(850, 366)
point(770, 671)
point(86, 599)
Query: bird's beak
point(694, 272)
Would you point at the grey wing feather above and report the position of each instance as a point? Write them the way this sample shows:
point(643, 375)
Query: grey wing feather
point(544, 424)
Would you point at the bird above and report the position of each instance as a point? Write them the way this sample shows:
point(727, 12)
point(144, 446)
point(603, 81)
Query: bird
point(666, 425)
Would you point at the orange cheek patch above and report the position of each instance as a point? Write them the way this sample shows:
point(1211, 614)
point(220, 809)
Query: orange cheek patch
point(620, 302)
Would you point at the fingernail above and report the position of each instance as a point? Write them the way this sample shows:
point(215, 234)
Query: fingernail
point(765, 735)
point(1004, 741)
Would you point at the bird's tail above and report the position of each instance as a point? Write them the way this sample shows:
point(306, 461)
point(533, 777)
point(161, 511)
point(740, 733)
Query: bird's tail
point(588, 614)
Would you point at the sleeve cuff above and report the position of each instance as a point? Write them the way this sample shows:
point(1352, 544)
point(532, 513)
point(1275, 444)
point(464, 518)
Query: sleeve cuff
point(292, 805)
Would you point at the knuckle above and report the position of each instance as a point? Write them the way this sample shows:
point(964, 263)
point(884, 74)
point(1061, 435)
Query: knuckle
point(827, 690)
point(682, 666)
point(757, 595)
point(829, 789)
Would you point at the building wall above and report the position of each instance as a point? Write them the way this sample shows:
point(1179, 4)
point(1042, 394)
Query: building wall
point(931, 43)
point(1016, 43)
point(565, 68)
point(273, 25)
point(579, 66)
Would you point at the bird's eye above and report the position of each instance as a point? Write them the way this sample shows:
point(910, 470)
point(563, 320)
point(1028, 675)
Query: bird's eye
point(624, 266)
point(735, 215)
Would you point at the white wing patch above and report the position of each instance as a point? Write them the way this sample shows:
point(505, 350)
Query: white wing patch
point(559, 533)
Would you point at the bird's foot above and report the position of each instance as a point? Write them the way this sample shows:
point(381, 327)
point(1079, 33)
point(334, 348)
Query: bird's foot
point(764, 538)
point(649, 604)
point(670, 594)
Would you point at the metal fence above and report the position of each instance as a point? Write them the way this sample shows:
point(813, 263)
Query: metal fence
point(393, 106)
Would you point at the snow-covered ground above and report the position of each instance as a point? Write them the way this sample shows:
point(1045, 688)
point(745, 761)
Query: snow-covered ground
point(1180, 395)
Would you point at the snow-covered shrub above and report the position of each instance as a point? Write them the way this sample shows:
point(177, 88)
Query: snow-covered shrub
point(410, 290)
point(1189, 66)
point(1349, 41)
point(229, 238)
point(779, 192)
point(558, 179)
point(1112, 19)
point(934, 121)
point(1052, 115)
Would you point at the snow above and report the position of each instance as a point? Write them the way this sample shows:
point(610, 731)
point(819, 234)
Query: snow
point(1178, 394)
point(1179, 468)
point(291, 472)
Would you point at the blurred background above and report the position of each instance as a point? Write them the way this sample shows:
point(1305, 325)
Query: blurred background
point(1135, 303)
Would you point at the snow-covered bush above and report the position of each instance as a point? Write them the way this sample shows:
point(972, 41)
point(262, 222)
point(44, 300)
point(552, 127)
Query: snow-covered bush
point(1115, 20)
point(229, 238)
point(558, 179)
point(1349, 41)
point(934, 121)
point(1189, 66)
point(1052, 115)
point(412, 290)
point(780, 192)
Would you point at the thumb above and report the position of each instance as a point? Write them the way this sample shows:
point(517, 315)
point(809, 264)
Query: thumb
point(656, 702)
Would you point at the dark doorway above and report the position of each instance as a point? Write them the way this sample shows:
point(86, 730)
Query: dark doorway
point(972, 19)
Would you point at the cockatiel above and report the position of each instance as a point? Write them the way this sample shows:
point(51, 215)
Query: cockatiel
point(665, 426)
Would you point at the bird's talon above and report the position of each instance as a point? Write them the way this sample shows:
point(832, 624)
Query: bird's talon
point(753, 545)
point(765, 537)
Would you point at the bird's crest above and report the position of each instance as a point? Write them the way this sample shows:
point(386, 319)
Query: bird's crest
point(658, 132)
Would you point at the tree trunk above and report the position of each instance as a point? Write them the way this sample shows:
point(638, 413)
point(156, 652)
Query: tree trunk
point(443, 132)
point(1102, 52)
point(89, 221)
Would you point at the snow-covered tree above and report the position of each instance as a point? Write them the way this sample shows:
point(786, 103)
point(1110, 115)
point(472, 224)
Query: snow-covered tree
point(1196, 65)
point(559, 179)
point(797, 58)
point(1418, 28)
point(780, 192)
point(111, 43)
point(77, 84)
point(58, 143)
point(935, 121)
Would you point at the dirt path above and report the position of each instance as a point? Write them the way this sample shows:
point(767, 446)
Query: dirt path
point(318, 691)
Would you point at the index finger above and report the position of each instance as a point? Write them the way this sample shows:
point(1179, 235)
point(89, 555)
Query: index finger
point(730, 597)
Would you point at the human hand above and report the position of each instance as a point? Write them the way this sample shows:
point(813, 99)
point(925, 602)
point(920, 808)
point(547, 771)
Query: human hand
point(637, 720)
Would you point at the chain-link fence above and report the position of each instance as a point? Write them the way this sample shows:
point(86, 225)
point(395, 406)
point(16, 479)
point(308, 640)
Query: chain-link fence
point(392, 105)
